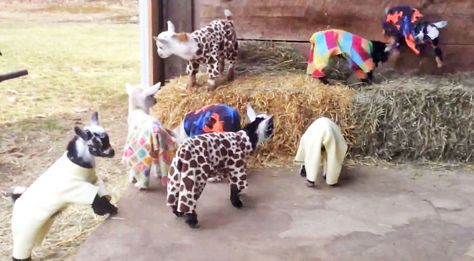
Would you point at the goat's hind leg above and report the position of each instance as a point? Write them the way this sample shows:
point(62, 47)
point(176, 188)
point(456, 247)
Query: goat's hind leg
point(213, 72)
point(438, 53)
point(173, 192)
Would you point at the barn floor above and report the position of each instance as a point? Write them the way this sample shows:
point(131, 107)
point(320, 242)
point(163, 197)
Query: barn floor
point(374, 214)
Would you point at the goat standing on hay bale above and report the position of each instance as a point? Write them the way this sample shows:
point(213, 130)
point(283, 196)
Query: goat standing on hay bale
point(363, 55)
point(322, 141)
point(71, 179)
point(213, 154)
point(212, 44)
point(402, 24)
point(149, 146)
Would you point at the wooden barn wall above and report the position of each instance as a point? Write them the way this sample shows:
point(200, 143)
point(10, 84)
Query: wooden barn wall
point(296, 20)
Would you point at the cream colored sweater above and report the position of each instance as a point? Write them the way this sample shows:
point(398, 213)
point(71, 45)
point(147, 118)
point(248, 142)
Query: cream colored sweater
point(322, 133)
point(33, 213)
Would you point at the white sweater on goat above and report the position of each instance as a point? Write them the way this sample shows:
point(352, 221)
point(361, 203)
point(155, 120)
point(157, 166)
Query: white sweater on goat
point(322, 133)
point(33, 213)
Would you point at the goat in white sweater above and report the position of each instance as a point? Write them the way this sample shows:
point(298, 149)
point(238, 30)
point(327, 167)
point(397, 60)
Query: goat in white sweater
point(322, 142)
point(71, 179)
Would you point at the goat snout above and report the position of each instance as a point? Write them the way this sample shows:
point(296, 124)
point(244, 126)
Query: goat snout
point(110, 153)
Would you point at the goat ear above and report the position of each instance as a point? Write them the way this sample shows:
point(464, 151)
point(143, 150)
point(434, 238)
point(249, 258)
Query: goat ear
point(95, 118)
point(152, 90)
point(251, 113)
point(171, 27)
point(128, 88)
point(83, 134)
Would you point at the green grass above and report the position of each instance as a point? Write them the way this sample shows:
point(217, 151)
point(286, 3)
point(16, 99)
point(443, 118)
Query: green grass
point(71, 67)
point(73, 9)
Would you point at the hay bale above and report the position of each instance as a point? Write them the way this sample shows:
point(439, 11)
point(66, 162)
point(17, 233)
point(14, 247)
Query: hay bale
point(414, 122)
point(413, 118)
point(294, 99)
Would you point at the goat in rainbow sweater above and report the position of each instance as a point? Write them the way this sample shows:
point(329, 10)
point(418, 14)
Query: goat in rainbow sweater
point(363, 55)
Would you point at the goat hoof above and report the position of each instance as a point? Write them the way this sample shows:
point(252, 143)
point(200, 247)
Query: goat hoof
point(191, 220)
point(303, 171)
point(237, 203)
point(309, 184)
point(176, 212)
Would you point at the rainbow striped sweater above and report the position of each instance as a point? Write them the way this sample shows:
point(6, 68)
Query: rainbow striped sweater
point(325, 44)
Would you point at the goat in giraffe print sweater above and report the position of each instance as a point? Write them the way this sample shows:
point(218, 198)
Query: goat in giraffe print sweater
point(210, 155)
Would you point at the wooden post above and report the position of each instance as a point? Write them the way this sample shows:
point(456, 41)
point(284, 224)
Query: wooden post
point(152, 69)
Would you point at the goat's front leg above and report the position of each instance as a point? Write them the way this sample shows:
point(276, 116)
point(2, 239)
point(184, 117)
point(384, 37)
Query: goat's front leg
point(192, 69)
point(213, 72)
point(303, 171)
point(238, 182)
point(235, 197)
point(438, 52)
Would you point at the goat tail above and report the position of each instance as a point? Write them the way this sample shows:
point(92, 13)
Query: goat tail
point(15, 193)
point(440, 24)
point(228, 14)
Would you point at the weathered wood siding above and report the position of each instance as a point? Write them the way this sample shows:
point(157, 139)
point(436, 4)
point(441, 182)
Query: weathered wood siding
point(296, 20)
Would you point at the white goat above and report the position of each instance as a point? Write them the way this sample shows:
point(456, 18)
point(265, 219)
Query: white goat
point(211, 45)
point(149, 146)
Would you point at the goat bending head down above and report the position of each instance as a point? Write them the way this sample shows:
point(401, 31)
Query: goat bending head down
point(362, 55)
point(214, 154)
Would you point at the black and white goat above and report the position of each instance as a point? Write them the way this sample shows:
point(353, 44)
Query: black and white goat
point(71, 179)
point(403, 24)
point(213, 154)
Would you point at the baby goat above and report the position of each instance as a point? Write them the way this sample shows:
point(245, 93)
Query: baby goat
point(213, 154)
point(71, 179)
point(322, 142)
point(363, 55)
point(211, 45)
point(149, 146)
point(402, 25)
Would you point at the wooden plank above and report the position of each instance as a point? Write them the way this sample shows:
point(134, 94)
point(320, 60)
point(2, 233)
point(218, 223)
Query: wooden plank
point(180, 12)
point(425, 63)
point(297, 20)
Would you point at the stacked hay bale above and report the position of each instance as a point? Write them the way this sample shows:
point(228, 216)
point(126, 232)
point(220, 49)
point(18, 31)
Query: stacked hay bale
point(403, 118)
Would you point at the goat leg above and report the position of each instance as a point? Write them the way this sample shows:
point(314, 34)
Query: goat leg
point(192, 69)
point(192, 81)
point(234, 196)
point(438, 53)
point(191, 220)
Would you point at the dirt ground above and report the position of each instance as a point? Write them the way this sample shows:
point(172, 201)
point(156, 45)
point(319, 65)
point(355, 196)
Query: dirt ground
point(373, 214)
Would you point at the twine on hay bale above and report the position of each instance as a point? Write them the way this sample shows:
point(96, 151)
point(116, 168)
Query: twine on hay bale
point(414, 122)
point(294, 99)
